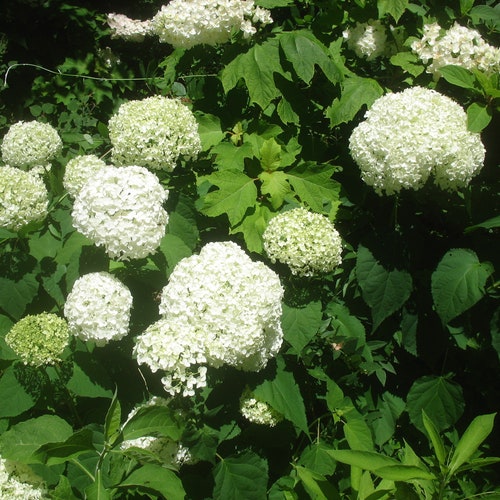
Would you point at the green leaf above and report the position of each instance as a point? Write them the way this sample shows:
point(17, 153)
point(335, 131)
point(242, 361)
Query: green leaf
point(478, 430)
point(63, 490)
point(395, 8)
point(403, 473)
point(16, 295)
point(275, 185)
point(442, 400)
point(408, 61)
point(156, 478)
point(244, 476)
point(366, 460)
point(58, 453)
point(112, 421)
point(257, 67)
point(305, 51)
point(409, 323)
point(316, 485)
point(270, 155)
point(495, 331)
point(89, 379)
point(345, 325)
point(458, 283)
point(235, 194)
point(209, 129)
point(456, 75)
point(152, 420)
point(271, 4)
point(389, 409)
point(300, 324)
point(23, 439)
point(487, 224)
point(316, 457)
point(283, 394)
point(356, 93)
point(174, 250)
point(485, 13)
point(253, 226)
point(437, 442)
point(465, 6)
point(478, 117)
point(182, 222)
point(314, 186)
point(231, 157)
point(357, 433)
point(384, 291)
point(16, 399)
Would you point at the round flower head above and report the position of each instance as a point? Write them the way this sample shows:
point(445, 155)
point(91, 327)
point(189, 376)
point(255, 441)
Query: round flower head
point(231, 304)
point(186, 23)
point(408, 136)
point(306, 241)
point(128, 29)
point(39, 339)
point(458, 46)
point(367, 40)
point(79, 170)
point(98, 308)
point(122, 210)
point(257, 411)
point(19, 482)
point(23, 198)
point(29, 144)
point(154, 133)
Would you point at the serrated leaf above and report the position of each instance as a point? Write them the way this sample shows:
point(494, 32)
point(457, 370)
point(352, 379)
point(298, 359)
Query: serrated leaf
point(275, 185)
point(257, 67)
point(253, 226)
point(23, 439)
point(395, 8)
point(442, 400)
point(478, 430)
point(182, 222)
point(403, 473)
point(231, 157)
point(300, 324)
point(316, 458)
point(356, 93)
point(244, 476)
point(235, 194)
point(283, 394)
point(384, 291)
point(478, 117)
point(14, 396)
point(456, 75)
point(408, 61)
point(157, 478)
point(152, 420)
point(314, 186)
point(270, 155)
point(58, 453)
point(305, 51)
point(458, 283)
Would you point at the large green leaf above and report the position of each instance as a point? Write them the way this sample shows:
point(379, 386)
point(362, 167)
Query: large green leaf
point(275, 185)
point(316, 458)
point(283, 394)
point(357, 432)
point(478, 116)
point(395, 8)
point(15, 399)
point(23, 439)
point(384, 291)
point(305, 51)
point(300, 324)
point(253, 226)
point(151, 420)
point(16, 295)
point(243, 476)
point(257, 67)
point(235, 194)
point(458, 76)
point(89, 379)
point(442, 400)
point(458, 283)
point(478, 430)
point(383, 422)
point(209, 129)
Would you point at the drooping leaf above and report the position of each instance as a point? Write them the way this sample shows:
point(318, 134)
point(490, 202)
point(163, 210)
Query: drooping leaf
point(384, 291)
point(458, 283)
point(151, 420)
point(257, 67)
point(395, 8)
point(403, 473)
point(300, 324)
point(242, 476)
point(58, 453)
point(441, 398)
point(15, 399)
point(235, 194)
point(389, 409)
point(366, 460)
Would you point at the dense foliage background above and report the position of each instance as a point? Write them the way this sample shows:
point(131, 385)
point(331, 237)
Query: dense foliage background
point(367, 347)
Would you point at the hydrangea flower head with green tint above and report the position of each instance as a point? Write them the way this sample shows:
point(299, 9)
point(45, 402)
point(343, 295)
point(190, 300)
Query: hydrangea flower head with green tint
point(98, 308)
point(186, 23)
point(23, 198)
point(306, 241)
point(79, 170)
point(30, 144)
point(154, 133)
point(122, 210)
point(409, 136)
point(368, 40)
point(39, 339)
point(19, 482)
point(258, 412)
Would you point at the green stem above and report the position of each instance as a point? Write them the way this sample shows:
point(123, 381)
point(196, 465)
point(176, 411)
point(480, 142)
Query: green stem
point(81, 467)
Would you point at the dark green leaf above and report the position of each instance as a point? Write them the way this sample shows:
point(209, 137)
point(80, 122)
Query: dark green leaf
point(16, 295)
point(316, 485)
point(300, 324)
point(316, 458)
point(487, 224)
point(89, 380)
point(58, 453)
point(15, 399)
point(253, 226)
point(435, 438)
point(395, 8)
point(152, 420)
point(112, 422)
point(458, 76)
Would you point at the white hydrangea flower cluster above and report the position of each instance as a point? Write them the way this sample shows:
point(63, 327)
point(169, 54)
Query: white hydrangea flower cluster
point(169, 452)
point(258, 412)
point(30, 144)
point(306, 241)
point(153, 132)
point(122, 210)
point(186, 23)
point(368, 40)
point(131, 30)
point(39, 339)
point(23, 198)
point(98, 308)
point(18, 482)
point(219, 307)
point(459, 46)
point(79, 170)
point(407, 136)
